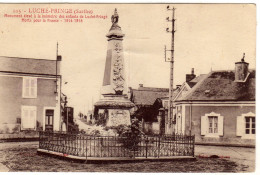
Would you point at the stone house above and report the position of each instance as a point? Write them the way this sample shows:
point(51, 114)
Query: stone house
point(30, 95)
point(220, 108)
point(146, 108)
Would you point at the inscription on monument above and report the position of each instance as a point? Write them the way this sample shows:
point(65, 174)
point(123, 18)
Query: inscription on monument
point(118, 117)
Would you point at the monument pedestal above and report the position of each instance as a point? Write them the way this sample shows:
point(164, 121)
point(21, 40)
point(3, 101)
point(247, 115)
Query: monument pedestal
point(116, 109)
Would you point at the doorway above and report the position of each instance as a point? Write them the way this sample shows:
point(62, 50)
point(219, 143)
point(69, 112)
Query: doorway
point(49, 114)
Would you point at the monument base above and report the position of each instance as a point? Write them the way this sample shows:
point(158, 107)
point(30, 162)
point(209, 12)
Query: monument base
point(115, 108)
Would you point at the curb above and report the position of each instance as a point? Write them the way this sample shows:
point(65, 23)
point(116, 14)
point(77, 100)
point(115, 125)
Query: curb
point(224, 145)
point(112, 159)
point(30, 139)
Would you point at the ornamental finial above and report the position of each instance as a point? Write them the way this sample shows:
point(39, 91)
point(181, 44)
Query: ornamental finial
point(114, 18)
point(243, 59)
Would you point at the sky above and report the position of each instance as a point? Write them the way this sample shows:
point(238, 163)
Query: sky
point(208, 37)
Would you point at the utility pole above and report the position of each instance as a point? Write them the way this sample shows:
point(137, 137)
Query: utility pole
point(57, 51)
point(171, 60)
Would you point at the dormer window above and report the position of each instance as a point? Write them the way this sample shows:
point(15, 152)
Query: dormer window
point(207, 91)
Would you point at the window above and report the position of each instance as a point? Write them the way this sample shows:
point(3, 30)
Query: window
point(250, 125)
point(29, 87)
point(28, 119)
point(166, 104)
point(246, 126)
point(212, 125)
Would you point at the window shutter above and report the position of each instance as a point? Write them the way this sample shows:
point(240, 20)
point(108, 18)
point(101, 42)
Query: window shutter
point(240, 126)
point(26, 87)
point(28, 119)
point(25, 115)
point(34, 87)
point(204, 125)
point(221, 125)
point(32, 119)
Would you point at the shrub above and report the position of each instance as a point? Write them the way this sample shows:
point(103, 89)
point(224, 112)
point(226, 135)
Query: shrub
point(73, 128)
point(130, 135)
point(101, 120)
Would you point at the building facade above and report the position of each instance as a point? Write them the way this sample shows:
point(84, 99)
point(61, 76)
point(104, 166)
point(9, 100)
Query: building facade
point(30, 93)
point(220, 108)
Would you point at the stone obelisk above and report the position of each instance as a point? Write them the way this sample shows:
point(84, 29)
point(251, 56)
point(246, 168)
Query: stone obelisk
point(114, 105)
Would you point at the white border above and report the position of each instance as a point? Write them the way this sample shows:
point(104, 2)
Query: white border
point(157, 1)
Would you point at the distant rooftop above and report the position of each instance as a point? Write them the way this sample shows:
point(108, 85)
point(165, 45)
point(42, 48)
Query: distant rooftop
point(220, 86)
point(27, 65)
point(146, 96)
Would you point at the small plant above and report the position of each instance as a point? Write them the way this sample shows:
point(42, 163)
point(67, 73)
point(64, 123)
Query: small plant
point(16, 129)
point(95, 133)
point(39, 128)
point(89, 122)
point(82, 131)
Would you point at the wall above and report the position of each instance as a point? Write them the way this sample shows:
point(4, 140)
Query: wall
point(229, 113)
point(11, 99)
point(151, 127)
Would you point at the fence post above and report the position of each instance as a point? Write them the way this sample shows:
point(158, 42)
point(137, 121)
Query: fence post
point(39, 139)
point(86, 150)
point(146, 147)
point(193, 149)
point(159, 146)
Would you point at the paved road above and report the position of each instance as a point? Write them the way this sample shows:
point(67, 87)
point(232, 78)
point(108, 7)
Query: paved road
point(240, 155)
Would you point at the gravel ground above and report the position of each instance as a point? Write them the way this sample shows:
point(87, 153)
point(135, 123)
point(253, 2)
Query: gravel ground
point(23, 157)
point(244, 157)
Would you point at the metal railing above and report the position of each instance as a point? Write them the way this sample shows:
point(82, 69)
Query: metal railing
point(115, 146)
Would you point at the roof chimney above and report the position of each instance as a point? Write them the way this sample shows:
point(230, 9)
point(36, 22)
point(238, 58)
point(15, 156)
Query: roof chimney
point(241, 70)
point(59, 57)
point(191, 76)
point(141, 85)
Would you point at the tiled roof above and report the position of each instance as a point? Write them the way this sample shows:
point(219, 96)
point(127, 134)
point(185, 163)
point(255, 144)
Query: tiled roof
point(220, 86)
point(27, 65)
point(147, 95)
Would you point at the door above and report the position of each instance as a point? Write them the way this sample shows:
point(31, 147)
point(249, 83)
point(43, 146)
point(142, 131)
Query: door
point(49, 113)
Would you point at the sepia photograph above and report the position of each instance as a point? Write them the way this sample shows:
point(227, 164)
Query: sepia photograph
point(149, 88)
